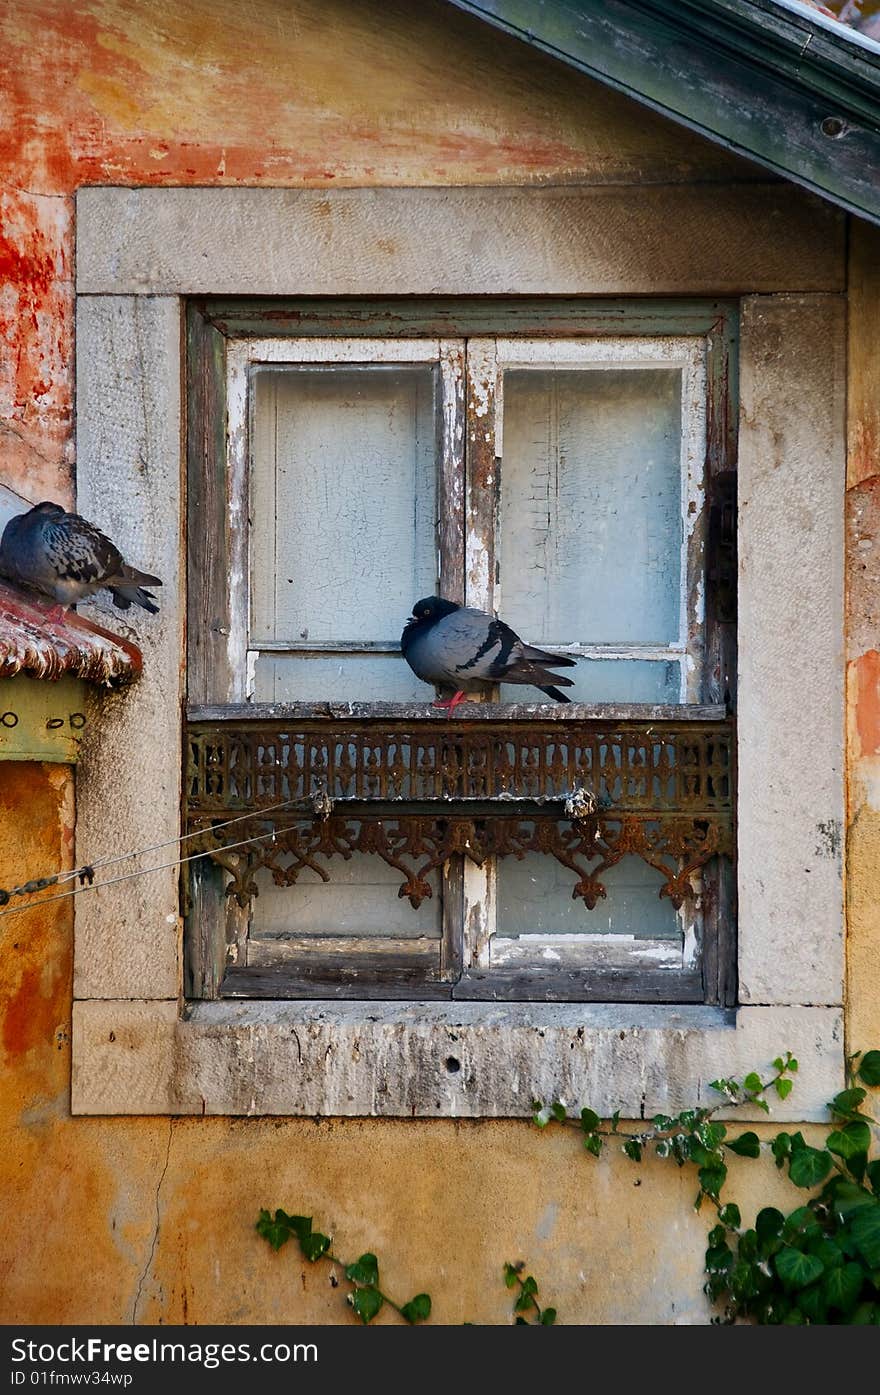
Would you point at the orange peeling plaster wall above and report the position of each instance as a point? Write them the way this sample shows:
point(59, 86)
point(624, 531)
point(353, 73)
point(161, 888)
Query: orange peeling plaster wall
point(280, 92)
point(109, 1220)
point(863, 642)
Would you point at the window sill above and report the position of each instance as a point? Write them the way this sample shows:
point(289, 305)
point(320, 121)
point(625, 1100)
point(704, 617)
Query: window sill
point(453, 1060)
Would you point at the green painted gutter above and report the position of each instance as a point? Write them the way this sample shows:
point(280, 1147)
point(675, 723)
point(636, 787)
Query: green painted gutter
point(766, 82)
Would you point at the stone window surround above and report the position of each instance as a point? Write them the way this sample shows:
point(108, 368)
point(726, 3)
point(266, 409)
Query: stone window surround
point(138, 1048)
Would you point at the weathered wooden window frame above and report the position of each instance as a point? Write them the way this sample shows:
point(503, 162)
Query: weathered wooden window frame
point(472, 352)
point(145, 258)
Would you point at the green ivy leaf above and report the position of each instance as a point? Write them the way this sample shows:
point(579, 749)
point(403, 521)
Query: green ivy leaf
point(827, 1250)
point(548, 1317)
point(753, 1082)
point(854, 1138)
point(719, 1258)
point(847, 1102)
point(314, 1245)
point(699, 1154)
point(848, 1198)
point(780, 1147)
point(712, 1178)
point(364, 1270)
point(710, 1135)
point(615, 1120)
point(593, 1144)
point(869, 1068)
point(783, 1088)
point(856, 1166)
point(589, 1120)
point(769, 1223)
point(873, 1173)
point(418, 1309)
point(366, 1303)
point(729, 1215)
point(276, 1232)
point(726, 1087)
point(865, 1315)
point(278, 1229)
point(809, 1166)
point(795, 1269)
point(748, 1244)
point(559, 1111)
point(542, 1115)
point(866, 1234)
point(800, 1224)
point(813, 1304)
point(511, 1274)
point(843, 1285)
point(633, 1149)
point(748, 1145)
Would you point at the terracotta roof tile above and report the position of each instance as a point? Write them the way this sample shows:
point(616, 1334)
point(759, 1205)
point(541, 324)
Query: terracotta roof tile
point(33, 641)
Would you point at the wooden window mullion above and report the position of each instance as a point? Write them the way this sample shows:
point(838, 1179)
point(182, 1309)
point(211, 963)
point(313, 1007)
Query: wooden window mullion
point(450, 544)
point(481, 509)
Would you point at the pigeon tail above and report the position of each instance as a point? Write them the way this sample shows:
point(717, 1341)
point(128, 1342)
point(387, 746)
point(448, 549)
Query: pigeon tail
point(556, 694)
point(541, 656)
point(132, 592)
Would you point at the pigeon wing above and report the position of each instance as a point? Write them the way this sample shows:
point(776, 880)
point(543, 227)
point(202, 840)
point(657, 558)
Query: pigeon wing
point(515, 662)
point(78, 551)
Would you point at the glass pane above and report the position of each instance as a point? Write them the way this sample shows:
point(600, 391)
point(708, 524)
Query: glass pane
point(590, 514)
point(343, 501)
point(360, 899)
point(534, 897)
point(610, 680)
point(337, 678)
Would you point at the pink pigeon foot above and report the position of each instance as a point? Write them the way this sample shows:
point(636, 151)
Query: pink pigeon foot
point(451, 703)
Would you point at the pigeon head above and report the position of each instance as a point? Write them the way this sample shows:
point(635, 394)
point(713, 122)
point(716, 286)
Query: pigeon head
point(426, 613)
point(430, 609)
point(46, 509)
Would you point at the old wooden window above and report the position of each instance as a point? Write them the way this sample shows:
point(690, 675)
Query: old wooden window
point(568, 466)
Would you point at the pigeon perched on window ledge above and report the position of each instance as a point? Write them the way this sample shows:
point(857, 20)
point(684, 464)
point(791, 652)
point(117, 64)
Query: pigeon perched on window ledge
point(64, 556)
point(451, 645)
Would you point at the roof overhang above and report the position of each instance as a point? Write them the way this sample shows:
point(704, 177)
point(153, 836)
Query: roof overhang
point(34, 640)
point(774, 82)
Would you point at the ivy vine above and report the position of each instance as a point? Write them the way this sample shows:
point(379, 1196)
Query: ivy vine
point(365, 1296)
point(818, 1264)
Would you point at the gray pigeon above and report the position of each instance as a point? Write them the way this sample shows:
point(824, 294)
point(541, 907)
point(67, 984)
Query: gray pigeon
point(447, 644)
point(66, 557)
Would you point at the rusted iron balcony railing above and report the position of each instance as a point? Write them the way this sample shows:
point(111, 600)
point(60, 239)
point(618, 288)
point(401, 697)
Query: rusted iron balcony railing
point(584, 785)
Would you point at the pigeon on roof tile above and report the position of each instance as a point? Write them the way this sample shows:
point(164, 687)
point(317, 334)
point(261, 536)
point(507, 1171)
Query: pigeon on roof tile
point(451, 645)
point(67, 558)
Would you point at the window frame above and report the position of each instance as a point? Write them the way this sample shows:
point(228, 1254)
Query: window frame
point(143, 256)
point(472, 347)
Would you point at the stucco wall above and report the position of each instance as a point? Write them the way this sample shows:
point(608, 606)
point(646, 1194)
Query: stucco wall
point(114, 1219)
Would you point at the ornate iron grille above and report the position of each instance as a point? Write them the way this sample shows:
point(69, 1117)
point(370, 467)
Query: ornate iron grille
point(586, 791)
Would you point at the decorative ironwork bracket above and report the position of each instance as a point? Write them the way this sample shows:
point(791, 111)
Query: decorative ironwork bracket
point(585, 792)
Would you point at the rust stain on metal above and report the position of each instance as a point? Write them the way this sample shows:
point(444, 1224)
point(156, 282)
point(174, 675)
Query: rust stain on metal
point(33, 641)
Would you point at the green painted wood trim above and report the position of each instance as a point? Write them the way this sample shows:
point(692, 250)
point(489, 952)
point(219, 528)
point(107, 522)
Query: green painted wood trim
point(41, 720)
point(763, 82)
point(410, 317)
